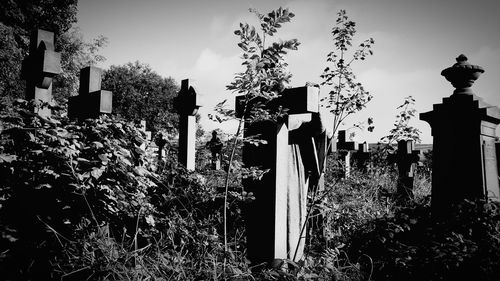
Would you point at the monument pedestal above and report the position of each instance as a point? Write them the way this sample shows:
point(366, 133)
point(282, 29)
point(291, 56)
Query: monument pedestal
point(464, 158)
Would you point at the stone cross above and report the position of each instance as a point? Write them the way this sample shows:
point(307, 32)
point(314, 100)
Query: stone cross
point(39, 68)
point(215, 146)
point(345, 148)
point(160, 142)
point(293, 159)
point(361, 157)
point(187, 105)
point(464, 157)
point(406, 158)
point(91, 100)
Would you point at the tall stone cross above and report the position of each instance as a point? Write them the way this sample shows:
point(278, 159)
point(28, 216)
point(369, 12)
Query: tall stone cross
point(406, 158)
point(187, 105)
point(91, 100)
point(345, 148)
point(276, 217)
point(39, 68)
point(464, 158)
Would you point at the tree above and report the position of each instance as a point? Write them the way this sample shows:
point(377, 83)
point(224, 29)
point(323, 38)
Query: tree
point(402, 130)
point(139, 93)
point(348, 96)
point(265, 75)
point(18, 18)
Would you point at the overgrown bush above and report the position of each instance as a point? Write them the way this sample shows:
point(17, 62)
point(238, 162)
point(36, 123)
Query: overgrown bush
point(76, 202)
point(412, 246)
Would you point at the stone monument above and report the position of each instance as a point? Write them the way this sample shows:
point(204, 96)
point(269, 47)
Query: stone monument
point(91, 100)
point(406, 159)
point(39, 68)
point(464, 164)
point(345, 149)
point(187, 105)
point(215, 147)
point(294, 155)
point(361, 157)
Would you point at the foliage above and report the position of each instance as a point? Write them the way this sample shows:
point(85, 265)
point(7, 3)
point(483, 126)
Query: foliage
point(139, 93)
point(402, 130)
point(10, 64)
point(348, 96)
point(18, 18)
point(412, 246)
point(26, 15)
point(95, 212)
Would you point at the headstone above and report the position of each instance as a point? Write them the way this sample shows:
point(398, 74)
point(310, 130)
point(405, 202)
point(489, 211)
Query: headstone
point(91, 100)
point(406, 159)
point(361, 157)
point(215, 147)
point(187, 106)
point(345, 149)
point(39, 68)
point(293, 155)
point(142, 128)
point(160, 141)
point(464, 158)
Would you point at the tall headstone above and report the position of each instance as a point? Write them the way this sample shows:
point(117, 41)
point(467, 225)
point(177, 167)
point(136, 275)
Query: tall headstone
point(406, 159)
point(91, 100)
point(463, 126)
point(345, 149)
point(187, 106)
point(39, 68)
point(292, 154)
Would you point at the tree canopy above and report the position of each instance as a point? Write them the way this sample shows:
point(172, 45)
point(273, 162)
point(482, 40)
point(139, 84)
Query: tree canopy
point(139, 93)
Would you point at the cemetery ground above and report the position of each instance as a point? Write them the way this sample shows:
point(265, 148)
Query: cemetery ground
point(86, 210)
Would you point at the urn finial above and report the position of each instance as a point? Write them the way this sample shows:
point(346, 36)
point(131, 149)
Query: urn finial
point(462, 75)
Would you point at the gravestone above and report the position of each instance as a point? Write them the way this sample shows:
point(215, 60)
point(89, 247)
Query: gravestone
point(276, 218)
point(39, 68)
point(142, 128)
point(406, 159)
point(187, 105)
point(464, 164)
point(160, 141)
point(361, 157)
point(345, 149)
point(91, 100)
point(215, 147)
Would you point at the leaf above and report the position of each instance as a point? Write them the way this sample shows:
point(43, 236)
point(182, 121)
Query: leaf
point(7, 158)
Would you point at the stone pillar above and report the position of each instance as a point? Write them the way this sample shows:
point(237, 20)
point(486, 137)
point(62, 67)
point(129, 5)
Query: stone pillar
point(406, 158)
point(91, 100)
point(187, 106)
point(39, 68)
point(463, 126)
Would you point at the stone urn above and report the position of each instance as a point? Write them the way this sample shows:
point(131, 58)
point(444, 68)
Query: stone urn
point(462, 75)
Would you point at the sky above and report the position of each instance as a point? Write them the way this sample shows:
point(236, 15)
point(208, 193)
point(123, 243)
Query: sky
point(414, 41)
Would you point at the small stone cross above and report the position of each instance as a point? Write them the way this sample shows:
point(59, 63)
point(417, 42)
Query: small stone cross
point(406, 158)
point(361, 156)
point(91, 100)
point(39, 68)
